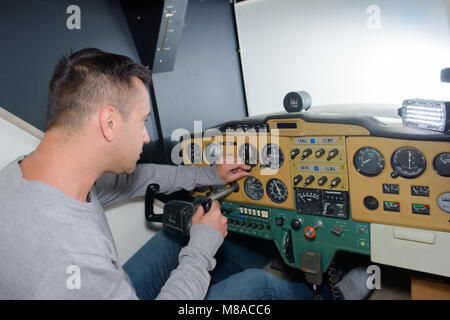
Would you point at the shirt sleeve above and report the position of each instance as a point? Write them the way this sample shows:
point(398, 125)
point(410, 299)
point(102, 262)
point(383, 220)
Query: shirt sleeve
point(190, 280)
point(112, 188)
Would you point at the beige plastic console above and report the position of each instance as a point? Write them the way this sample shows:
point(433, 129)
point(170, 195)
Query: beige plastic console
point(416, 249)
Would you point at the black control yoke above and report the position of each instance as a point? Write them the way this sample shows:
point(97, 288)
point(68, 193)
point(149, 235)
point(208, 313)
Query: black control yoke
point(177, 214)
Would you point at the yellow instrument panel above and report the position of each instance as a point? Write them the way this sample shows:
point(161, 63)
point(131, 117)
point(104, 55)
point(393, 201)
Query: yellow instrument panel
point(334, 156)
point(409, 202)
point(232, 145)
point(319, 162)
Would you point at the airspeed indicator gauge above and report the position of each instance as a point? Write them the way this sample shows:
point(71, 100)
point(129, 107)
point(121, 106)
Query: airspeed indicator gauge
point(368, 161)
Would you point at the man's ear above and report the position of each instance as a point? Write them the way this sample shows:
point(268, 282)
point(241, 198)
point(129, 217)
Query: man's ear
point(109, 122)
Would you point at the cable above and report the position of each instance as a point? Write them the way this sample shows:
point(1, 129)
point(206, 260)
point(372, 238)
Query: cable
point(333, 277)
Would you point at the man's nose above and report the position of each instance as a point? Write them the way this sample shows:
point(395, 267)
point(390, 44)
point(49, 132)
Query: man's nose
point(146, 137)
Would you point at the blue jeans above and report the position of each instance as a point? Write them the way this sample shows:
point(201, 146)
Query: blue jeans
point(236, 276)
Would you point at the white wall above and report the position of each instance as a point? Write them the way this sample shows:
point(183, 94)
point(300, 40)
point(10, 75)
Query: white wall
point(345, 51)
point(126, 219)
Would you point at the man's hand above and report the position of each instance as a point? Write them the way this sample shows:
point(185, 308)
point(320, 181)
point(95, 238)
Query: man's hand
point(213, 218)
point(231, 169)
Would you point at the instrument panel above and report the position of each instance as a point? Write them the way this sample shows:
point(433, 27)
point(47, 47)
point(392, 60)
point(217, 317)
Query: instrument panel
point(318, 185)
point(406, 190)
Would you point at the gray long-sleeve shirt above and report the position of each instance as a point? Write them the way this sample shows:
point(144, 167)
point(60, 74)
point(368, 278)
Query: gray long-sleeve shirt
point(55, 247)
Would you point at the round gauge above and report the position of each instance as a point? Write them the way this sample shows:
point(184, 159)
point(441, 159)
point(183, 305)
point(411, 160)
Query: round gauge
point(441, 164)
point(194, 152)
point(444, 202)
point(276, 190)
point(253, 188)
point(368, 161)
point(272, 156)
point(249, 154)
point(408, 162)
point(213, 153)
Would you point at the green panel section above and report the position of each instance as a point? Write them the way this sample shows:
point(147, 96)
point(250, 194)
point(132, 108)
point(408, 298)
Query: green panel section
point(355, 236)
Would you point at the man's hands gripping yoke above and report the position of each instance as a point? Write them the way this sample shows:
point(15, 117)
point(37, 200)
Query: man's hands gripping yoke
point(213, 218)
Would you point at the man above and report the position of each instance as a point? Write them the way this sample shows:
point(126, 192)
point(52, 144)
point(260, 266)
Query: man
point(53, 225)
point(55, 242)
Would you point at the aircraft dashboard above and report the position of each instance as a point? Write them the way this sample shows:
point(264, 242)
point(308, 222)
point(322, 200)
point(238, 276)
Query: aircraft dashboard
point(322, 183)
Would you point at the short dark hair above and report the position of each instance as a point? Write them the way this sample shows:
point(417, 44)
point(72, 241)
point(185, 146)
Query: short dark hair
point(87, 76)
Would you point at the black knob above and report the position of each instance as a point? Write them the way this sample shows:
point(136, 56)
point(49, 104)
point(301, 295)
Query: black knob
point(370, 203)
point(297, 179)
point(279, 221)
point(333, 153)
point(242, 223)
point(322, 180)
point(320, 152)
point(230, 220)
point(236, 222)
point(309, 180)
point(294, 153)
point(296, 224)
point(335, 182)
point(330, 210)
point(394, 174)
point(306, 153)
point(260, 226)
point(253, 225)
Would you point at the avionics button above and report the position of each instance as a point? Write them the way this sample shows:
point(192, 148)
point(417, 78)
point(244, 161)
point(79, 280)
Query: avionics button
point(361, 229)
point(363, 243)
point(279, 221)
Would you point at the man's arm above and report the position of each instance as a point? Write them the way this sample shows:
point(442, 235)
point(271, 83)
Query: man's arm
point(112, 188)
point(92, 276)
point(190, 280)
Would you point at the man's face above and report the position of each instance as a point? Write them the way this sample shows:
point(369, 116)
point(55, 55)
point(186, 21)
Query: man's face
point(134, 133)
